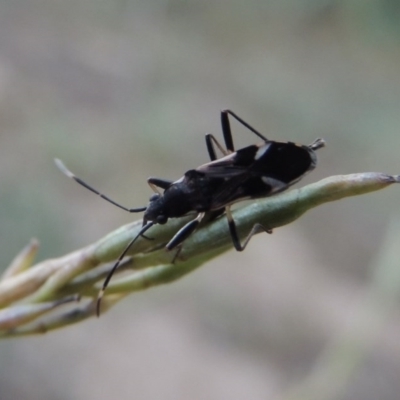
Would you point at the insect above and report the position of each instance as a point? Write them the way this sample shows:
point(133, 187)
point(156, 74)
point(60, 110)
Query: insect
point(255, 171)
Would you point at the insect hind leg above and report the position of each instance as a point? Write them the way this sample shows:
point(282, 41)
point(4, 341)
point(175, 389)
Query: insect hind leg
point(226, 128)
point(257, 228)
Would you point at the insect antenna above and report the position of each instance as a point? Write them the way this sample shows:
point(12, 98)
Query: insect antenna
point(114, 268)
point(67, 172)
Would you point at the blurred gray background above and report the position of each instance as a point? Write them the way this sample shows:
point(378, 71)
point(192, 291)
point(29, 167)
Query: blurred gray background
point(122, 90)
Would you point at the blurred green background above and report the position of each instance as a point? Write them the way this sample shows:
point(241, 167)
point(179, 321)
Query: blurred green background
point(122, 90)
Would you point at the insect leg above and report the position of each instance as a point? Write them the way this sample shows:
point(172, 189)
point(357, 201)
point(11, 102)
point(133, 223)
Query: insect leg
point(210, 146)
point(157, 182)
point(67, 172)
point(185, 232)
point(226, 130)
point(235, 238)
point(154, 183)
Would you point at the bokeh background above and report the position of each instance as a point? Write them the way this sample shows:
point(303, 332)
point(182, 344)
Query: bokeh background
point(124, 89)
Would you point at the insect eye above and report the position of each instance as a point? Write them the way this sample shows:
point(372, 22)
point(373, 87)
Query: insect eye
point(154, 197)
point(162, 219)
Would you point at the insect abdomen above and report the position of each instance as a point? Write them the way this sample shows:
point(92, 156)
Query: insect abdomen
point(284, 162)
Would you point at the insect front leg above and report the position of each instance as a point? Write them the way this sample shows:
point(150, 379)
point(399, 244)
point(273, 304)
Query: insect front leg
point(235, 237)
point(154, 183)
point(185, 232)
point(177, 241)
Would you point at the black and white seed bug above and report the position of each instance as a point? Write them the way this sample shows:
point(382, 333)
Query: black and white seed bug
point(253, 172)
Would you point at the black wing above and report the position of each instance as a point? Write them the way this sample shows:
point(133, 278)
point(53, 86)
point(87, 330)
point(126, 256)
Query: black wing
point(286, 162)
point(231, 165)
point(257, 171)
